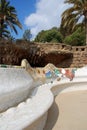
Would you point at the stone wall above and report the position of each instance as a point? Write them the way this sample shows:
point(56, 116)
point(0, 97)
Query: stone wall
point(61, 55)
point(79, 58)
point(40, 54)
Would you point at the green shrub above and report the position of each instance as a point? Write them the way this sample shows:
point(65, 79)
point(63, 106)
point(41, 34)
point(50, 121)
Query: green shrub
point(76, 39)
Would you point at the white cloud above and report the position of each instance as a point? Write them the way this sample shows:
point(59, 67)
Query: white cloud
point(47, 15)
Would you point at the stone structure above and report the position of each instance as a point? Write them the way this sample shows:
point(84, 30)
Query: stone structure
point(32, 113)
point(60, 55)
point(39, 55)
point(79, 56)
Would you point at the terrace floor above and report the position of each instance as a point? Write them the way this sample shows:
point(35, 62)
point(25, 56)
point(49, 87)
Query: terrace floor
point(68, 112)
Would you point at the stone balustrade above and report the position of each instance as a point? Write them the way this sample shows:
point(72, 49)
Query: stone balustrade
point(31, 114)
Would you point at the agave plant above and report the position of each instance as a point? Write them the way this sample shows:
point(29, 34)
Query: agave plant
point(76, 14)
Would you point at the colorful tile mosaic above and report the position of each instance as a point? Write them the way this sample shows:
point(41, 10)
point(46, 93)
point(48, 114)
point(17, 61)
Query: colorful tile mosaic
point(69, 73)
point(48, 74)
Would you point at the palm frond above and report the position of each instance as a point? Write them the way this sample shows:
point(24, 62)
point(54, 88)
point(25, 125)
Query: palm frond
point(8, 15)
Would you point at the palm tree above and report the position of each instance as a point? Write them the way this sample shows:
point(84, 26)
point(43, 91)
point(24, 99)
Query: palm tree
point(76, 14)
point(8, 18)
point(4, 33)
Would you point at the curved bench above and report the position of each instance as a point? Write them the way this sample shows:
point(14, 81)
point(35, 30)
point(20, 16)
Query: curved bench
point(14, 86)
point(22, 116)
point(32, 114)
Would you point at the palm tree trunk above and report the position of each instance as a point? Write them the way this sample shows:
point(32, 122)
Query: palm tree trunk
point(86, 32)
point(0, 31)
point(86, 26)
point(1, 26)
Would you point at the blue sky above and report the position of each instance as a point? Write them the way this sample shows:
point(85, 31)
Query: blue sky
point(38, 15)
point(24, 9)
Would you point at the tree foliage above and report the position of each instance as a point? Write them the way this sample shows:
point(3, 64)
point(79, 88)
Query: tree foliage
point(77, 13)
point(52, 35)
point(4, 31)
point(27, 35)
point(8, 18)
point(77, 38)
